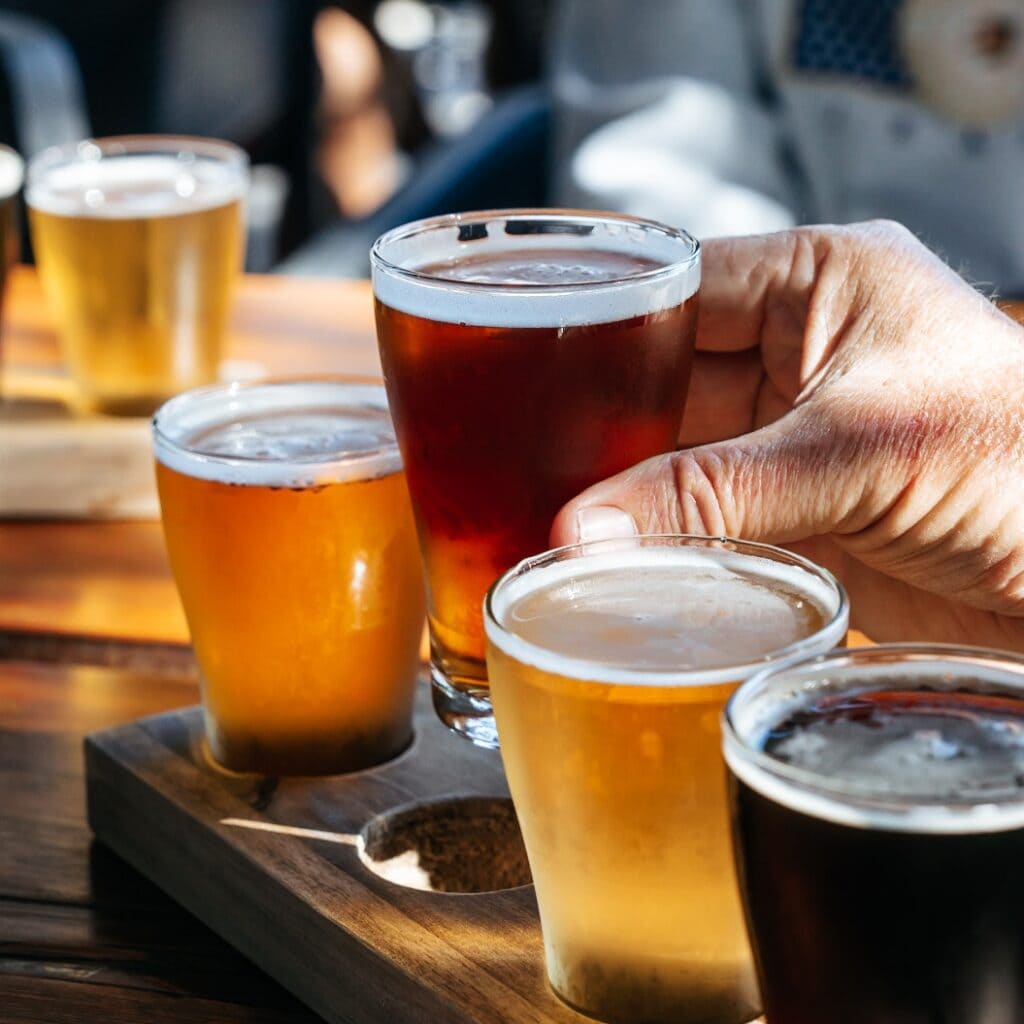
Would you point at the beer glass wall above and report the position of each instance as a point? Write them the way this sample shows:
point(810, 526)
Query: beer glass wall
point(878, 799)
point(609, 664)
point(138, 242)
point(12, 171)
point(292, 542)
point(527, 355)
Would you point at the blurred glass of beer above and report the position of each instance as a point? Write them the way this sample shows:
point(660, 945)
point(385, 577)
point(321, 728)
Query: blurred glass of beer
point(527, 355)
point(609, 664)
point(12, 171)
point(878, 802)
point(291, 539)
point(138, 242)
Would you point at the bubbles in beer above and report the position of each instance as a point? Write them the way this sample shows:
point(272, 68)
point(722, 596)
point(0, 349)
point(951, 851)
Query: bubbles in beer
point(297, 436)
point(926, 746)
point(283, 434)
point(134, 186)
point(552, 267)
point(675, 612)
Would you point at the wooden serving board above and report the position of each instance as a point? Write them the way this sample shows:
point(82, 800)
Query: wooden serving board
point(354, 946)
point(60, 467)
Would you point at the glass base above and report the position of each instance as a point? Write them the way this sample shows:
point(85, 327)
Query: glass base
point(466, 709)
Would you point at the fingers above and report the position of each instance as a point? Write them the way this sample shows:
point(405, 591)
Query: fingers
point(748, 282)
point(723, 396)
point(774, 308)
point(794, 479)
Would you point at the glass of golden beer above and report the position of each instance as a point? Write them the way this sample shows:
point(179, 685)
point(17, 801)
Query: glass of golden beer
point(527, 354)
point(610, 663)
point(138, 241)
point(292, 543)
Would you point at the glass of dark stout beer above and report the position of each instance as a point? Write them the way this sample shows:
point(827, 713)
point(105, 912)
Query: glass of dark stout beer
point(527, 355)
point(878, 806)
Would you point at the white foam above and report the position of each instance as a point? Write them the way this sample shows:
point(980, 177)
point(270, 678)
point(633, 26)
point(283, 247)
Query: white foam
point(846, 803)
point(628, 556)
point(120, 187)
point(278, 434)
point(12, 172)
point(397, 255)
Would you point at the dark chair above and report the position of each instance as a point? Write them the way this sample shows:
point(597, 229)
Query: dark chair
point(41, 84)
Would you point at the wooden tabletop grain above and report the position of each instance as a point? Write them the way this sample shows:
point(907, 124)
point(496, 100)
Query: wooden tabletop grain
point(82, 937)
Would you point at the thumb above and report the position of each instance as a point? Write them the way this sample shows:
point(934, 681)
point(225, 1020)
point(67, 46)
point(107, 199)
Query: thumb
point(793, 479)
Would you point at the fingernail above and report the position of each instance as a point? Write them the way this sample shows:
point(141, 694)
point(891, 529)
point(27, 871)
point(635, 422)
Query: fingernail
point(604, 522)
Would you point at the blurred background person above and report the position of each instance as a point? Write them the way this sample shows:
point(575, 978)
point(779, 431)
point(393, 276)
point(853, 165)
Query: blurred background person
point(751, 115)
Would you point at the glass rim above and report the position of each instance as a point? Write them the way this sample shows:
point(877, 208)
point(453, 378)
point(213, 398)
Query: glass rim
point(379, 261)
point(16, 162)
point(95, 148)
point(836, 624)
point(180, 403)
point(882, 810)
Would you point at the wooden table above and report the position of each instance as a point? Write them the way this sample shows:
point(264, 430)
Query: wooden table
point(82, 936)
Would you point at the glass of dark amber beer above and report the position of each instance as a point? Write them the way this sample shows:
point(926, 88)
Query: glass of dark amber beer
point(292, 542)
point(610, 663)
point(878, 803)
point(527, 355)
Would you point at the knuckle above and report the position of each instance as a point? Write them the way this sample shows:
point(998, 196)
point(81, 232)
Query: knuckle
point(699, 484)
point(874, 237)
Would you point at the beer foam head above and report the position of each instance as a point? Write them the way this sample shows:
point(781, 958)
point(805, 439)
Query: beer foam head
point(278, 433)
point(93, 179)
point(934, 744)
point(12, 172)
point(534, 268)
point(663, 612)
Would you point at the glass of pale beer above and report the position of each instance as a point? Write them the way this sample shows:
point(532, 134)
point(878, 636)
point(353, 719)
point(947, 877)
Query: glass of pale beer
point(138, 241)
point(527, 355)
point(610, 663)
point(292, 543)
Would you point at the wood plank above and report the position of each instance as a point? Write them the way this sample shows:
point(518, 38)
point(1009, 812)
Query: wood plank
point(82, 935)
point(150, 945)
point(65, 1000)
point(99, 579)
point(45, 711)
point(165, 659)
point(434, 956)
point(60, 467)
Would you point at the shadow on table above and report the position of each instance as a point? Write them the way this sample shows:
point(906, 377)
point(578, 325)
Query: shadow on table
point(146, 941)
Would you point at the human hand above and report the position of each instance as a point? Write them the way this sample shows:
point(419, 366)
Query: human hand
point(874, 405)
